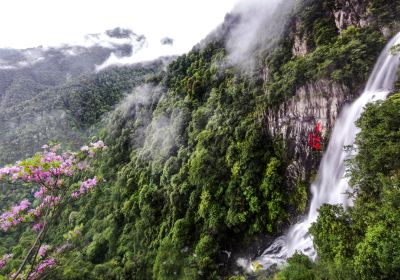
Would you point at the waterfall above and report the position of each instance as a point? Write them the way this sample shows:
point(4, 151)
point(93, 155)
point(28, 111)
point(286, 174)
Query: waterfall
point(331, 186)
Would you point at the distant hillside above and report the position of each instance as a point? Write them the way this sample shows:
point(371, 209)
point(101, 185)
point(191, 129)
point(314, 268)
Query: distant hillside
point(55, 93)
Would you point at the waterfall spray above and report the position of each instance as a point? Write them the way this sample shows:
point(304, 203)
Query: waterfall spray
point(331, 186)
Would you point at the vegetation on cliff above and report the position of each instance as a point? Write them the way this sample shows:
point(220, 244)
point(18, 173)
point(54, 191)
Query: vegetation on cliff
point(191, 173)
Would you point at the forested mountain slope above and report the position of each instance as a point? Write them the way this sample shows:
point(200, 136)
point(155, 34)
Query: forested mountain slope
point(210, 159)
point(51, 93)
point(65, 113)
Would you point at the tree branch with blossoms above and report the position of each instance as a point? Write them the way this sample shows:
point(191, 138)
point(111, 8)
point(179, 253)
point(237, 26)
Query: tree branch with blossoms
point(53, 172)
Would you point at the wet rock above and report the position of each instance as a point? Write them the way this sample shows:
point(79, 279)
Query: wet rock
point(316, 102)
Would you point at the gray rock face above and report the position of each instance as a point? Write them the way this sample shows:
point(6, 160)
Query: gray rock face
point(300, 47)
point(350, 12)
point(316, 102)
point(319, 101)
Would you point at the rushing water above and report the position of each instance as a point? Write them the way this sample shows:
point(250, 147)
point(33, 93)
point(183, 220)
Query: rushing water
point(331, 186)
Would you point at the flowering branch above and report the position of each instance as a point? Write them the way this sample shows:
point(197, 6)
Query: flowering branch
point(53, 173)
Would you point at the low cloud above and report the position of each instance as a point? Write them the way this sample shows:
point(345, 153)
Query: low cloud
point(137, 108)
point(142, 96)
point(261, 25)
point(143, 51)
point(155, 132)
point(112, 38)
point(119, 44)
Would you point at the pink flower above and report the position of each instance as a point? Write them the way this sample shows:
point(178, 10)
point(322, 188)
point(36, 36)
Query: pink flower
point(43, 250)
point(42, 267)
point(4, 260)
point(36, 212)
point(85, 148)
point(40, 193)
point(14, 216)
point(98, 145)
point(87, 185)
point(48, 169)
point(75, 195)
point(38, 227)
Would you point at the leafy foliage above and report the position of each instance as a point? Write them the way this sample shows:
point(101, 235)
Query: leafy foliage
point(384, 11)
point(190, 168)
point(347, 58)
point(191, 171)
point(51, 174)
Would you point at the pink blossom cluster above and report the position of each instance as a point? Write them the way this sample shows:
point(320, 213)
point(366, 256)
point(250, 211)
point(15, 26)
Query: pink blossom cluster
point(51, 200)
point(93, 147)
point(47, 201)
point(4, 259)
point(48, 170)
point(15, 216)
point(45, 168)
point(85, 187)
point(98, 145)
point(38, 227)
point(10, 170)
point(42, 267)
point(40, 193)
point(82, 165)
point(43, 250)
point(47, 164)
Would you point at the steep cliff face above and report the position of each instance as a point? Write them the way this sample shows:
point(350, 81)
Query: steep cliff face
point(300, 44)
point(321, 99)
point(316, 102)
point(350, 12)
point(361, 13)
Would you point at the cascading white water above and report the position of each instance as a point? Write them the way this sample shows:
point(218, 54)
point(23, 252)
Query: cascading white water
point(331, 186)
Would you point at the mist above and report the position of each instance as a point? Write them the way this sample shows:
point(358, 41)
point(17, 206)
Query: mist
point(261, 26)
point(142, 51)
point(154, 133)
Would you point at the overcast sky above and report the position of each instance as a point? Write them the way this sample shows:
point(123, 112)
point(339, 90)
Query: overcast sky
point(29, 23)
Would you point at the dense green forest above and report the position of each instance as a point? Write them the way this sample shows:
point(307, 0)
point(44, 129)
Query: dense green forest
point(65, 112)
point(54, 94)
point(192, 174)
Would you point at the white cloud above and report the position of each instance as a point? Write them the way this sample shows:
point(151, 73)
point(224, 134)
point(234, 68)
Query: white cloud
point(27, 23)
